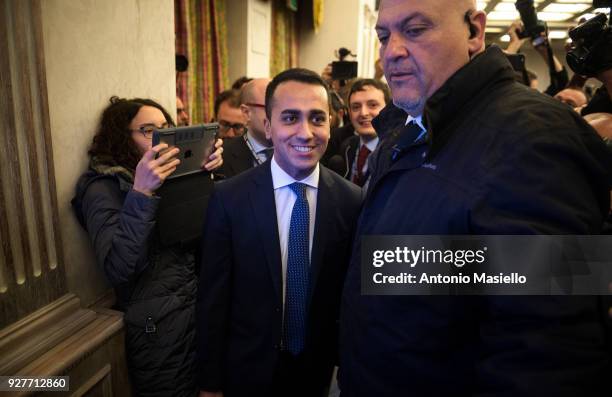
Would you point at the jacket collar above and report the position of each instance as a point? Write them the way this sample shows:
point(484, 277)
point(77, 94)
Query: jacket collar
point(473, 80)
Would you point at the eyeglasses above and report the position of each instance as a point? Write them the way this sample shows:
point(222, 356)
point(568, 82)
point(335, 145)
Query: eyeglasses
point(147, 129)
point(256, 105)
point(224, 126)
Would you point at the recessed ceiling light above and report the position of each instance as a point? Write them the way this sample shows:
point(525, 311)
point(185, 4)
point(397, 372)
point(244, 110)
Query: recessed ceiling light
point(554, 16)
point(567, 7)
point(557, 34)
point(502, 16)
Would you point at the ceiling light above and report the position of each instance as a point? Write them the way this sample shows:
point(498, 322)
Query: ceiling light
point(507, 7)
point(557, 34)
point(502, 16)
point(554, 16)
point(572, 8)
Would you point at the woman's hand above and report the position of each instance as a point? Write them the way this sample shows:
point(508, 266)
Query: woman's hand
point(151, 172)
point(215, 160)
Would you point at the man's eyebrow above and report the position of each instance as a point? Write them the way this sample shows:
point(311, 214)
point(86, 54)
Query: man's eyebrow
point(291, 111)
point(296, 112)
point(409, 18)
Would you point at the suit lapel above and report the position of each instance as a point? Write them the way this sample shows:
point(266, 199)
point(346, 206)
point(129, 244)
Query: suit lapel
point(244, 157)
point(264, 210)
point(323, 218)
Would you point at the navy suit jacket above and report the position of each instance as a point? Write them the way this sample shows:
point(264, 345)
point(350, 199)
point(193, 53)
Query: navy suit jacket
point(237, 157)
point(240, 303)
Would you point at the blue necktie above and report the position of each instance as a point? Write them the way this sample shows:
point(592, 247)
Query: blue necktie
point(298, 264)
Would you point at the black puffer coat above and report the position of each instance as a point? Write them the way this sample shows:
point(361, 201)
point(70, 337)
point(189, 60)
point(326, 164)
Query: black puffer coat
point(155, 286)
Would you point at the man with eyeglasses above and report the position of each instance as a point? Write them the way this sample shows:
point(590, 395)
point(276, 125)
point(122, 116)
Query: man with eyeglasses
point(252, 148)
point(232, 122)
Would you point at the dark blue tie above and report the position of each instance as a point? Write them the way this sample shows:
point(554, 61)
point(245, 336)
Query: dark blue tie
point(298, 264)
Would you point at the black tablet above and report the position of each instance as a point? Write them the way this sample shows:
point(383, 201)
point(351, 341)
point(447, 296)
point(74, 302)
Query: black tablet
point(196, 142)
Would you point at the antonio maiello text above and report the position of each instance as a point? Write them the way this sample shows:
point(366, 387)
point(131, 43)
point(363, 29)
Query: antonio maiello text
point(475, 278)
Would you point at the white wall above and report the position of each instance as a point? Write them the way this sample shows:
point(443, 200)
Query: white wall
point(344, 25)
point(258, 39)
point(249, 25)
point(237, 25)
point(95, 49)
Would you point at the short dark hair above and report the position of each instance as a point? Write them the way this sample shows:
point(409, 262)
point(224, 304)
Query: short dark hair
point(113, 143)
point(296, 74)
point(360, 84)
point(240, 81)
point(231, 96)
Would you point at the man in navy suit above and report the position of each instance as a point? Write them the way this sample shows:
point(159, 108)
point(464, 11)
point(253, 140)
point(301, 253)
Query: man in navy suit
point(276, 245)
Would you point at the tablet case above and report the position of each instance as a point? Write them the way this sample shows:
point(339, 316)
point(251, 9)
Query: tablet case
point(196, 143)
point(182, 208)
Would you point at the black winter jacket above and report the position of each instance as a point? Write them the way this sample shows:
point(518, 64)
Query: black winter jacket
point(499, 158)
point(155, 286)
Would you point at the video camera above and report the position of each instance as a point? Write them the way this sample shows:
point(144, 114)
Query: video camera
point(591, 51)
point(533, 26)
point(344, 70)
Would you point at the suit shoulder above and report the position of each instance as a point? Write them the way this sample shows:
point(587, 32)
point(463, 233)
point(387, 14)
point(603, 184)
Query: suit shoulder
point(346, 189)
point(240, 183)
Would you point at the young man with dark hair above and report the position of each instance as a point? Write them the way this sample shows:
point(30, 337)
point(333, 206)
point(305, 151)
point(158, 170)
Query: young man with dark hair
point(275, 249)
point(366, 98)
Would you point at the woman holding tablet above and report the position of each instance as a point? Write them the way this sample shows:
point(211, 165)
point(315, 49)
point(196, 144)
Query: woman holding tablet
point(155, 285)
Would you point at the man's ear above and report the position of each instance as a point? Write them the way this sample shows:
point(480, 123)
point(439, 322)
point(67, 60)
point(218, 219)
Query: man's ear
point(246, 112)
point(268, 129)
point(477, 24)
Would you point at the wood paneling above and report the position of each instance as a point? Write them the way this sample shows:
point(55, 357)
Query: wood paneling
point(31, 271)
point(63, 339)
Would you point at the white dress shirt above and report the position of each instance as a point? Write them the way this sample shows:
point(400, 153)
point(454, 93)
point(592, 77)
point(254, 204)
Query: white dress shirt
point(284, 199)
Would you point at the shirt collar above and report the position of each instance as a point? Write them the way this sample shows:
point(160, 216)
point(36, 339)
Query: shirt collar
point(418, 120)
point(281, 179)
point(257, 147)
point(371, 144)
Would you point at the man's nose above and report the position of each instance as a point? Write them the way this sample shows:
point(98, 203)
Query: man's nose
point(363, 110)
point(395, 48)
point(305, 130)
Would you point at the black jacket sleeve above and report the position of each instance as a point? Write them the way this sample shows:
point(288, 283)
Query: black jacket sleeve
point(119, 229)
point(558, 82)
point(213, 296)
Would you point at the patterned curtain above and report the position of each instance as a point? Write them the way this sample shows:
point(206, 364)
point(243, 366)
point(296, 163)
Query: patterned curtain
point(201, 36)
point(283, 54)
point(317, 14)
